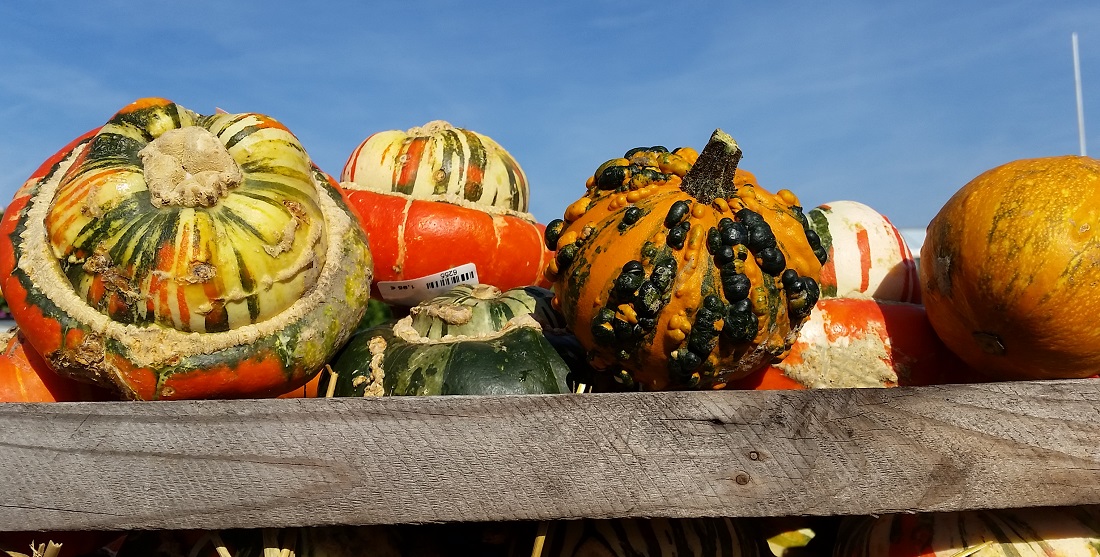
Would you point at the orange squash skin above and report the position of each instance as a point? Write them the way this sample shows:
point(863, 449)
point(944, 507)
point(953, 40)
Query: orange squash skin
point(1008, 270)
point(309, 390)
point(14, 294)
point(411, 238)
point(862, 342)
point(25, 377)
point(649, 280)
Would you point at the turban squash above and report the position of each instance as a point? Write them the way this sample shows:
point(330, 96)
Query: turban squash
point(440, 159)
point(680, 269)
point(471, 340)
point(1008, 270)
point(868, 257)
point(173, 255)
point(436, 197)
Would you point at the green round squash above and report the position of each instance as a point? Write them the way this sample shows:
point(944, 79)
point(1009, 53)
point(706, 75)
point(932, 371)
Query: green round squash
point(470, 340)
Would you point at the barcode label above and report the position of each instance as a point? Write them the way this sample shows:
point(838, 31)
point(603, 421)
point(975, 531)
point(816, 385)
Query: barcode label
point(448, 281)
point(413, 291)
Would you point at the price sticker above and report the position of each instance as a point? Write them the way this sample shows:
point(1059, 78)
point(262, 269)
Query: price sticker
point(413, 291)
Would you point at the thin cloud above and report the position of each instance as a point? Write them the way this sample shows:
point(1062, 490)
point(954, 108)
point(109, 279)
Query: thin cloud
point(895, 105)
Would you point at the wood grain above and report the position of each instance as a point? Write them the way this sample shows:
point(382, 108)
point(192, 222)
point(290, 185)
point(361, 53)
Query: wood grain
point(266, 463)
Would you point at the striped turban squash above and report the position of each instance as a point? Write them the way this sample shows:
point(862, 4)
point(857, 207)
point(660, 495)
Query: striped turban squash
point(680, 269)
point(440, 159)
point(868, 256)
point(173, 255)
point(436, 197)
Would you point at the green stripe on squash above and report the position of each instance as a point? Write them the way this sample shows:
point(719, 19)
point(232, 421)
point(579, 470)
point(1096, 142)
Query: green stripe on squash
point(819, 222)
point(470, 340)
point(101, 322)
point(439, 159)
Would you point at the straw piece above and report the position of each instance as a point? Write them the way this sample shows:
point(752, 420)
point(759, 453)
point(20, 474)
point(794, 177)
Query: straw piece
point(540, 538)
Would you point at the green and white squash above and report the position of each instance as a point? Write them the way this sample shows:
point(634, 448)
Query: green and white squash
point(474, 339)
point(1035, 532)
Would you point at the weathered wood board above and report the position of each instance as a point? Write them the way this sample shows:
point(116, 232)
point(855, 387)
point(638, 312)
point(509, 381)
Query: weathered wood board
point(264, 463)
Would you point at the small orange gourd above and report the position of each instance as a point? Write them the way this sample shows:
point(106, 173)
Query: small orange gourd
point(680, 269)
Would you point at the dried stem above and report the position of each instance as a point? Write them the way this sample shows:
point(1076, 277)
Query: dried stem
point(711, 177)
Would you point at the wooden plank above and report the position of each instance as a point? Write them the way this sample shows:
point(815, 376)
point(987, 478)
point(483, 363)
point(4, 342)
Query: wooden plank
point(253, 463)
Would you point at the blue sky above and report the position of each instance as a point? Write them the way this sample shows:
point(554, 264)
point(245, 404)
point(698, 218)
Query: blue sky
point(893, 104)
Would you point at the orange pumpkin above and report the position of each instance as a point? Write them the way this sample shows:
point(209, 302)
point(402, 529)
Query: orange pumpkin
point(861, 342)
point(1008, 270)
point(25, 377)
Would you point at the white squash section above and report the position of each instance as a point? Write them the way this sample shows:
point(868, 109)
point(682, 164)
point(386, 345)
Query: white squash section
point(868, 258)
point(439, 159)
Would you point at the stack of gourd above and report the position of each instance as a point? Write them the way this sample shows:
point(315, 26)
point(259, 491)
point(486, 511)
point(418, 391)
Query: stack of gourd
point(173, 255)
point(168, 254)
